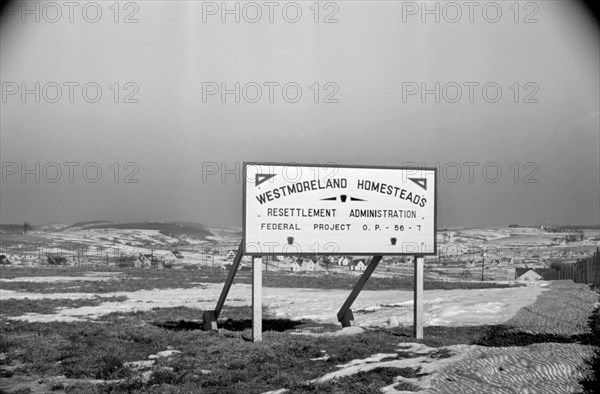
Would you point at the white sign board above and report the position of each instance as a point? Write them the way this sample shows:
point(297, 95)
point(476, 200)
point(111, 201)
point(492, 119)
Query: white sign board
point(292, 209)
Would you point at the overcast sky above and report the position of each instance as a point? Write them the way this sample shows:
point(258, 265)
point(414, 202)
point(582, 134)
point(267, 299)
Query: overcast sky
point(516, 131)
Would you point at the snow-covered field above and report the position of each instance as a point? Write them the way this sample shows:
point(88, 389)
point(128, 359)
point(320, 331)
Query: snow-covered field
point(371, 308)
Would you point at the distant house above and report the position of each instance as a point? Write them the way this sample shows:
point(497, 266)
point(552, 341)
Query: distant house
point(309, 265)
point(295, 267)
point(343, 260)
point(534, 274)
point(357, 265)
point(230, 255)
point(177, 254)
point(507, 260)
point(149, 260)
point(529, 275)
point(167, 259)
point(306, 265)
point(4, 260)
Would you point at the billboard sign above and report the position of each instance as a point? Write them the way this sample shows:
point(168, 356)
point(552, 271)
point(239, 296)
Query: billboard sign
point(292, 209)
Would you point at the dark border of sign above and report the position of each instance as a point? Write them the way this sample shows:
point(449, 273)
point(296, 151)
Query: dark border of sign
point(334, 165)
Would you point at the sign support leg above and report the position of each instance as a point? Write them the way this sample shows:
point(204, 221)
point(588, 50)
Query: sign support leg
point(345, 314)
point(256, 299)
point(418, 298)
point(209, 318)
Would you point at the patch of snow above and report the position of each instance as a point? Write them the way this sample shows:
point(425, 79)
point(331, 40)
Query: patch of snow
point(373, 359)
point(142, 364)
point(445, 307)
point(48, 279)
point(348, 331)
point(164, 353)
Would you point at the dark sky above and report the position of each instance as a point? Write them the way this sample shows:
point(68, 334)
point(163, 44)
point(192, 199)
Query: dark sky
point(516, 131)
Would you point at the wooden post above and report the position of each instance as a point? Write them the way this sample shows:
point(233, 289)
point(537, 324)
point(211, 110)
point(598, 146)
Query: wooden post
point(256, 299)
point(418, 298)
point(597, 267)
point(482, 267)
point(345, 313)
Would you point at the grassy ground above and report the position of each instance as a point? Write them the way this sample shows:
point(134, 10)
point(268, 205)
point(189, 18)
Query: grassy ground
point(226, 361)
point(140, 279)
point(216, 362)
point(223, 361)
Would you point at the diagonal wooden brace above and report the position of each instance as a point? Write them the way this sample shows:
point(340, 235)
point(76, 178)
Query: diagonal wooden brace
point(209, 318)
point(345, 315)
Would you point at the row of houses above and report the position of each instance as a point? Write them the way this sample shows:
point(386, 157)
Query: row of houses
point(158, 260)
point(303, 264)
point(307, 265)
point(322, 261)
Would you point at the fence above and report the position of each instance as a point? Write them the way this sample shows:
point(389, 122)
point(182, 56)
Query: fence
point(583, 271)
